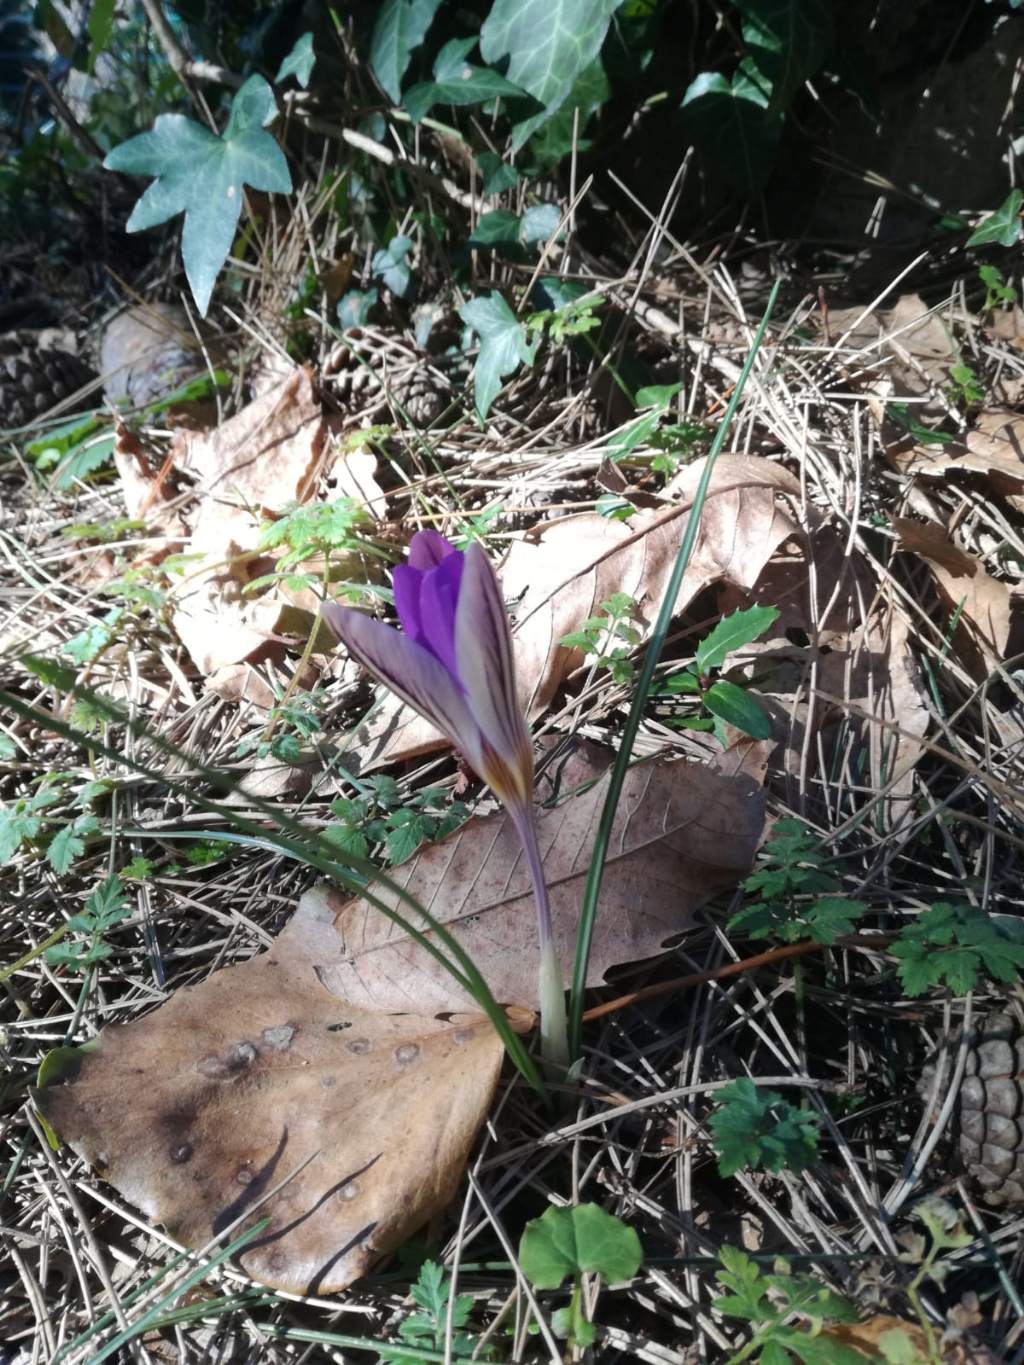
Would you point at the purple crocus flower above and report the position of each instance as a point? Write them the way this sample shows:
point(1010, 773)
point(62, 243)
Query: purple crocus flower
point(452, 662)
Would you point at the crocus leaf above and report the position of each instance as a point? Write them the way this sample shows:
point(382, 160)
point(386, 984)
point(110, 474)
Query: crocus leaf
point(581, 1240)
point(202, 176)
point(258, 1076)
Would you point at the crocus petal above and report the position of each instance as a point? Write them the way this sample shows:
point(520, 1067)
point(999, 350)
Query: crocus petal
point(410, 671)
point(483, 651)
point(407, 583)
point(428, 548)
point(439, 596)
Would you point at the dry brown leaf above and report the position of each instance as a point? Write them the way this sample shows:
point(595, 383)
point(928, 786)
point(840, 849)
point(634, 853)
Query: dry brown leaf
point(268, 455)
point(866, 1337)
point(983, 603)
point(558, 577)
point(199, 1110)
point(906, 348)
point(834, 637)
point(993, 448)
point(682, 830)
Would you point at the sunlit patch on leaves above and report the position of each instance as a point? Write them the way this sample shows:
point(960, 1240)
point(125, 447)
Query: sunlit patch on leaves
point(1002, 228)
point(299, 62)
point(757, 1129)
point(954, 946)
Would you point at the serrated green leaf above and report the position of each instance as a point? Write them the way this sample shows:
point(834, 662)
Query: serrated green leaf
point(1002, 228)
point(202, 176)
point(571, 1241)
point(548, 43)
point(732, 124)
point(504, 346)
point(733, 632)
point(788, 40)
point(91, 642)
point(758, 1128)
point(737, 707)
point(299, 62)
point(65, 846)
point(400, 28)
point(15, 827)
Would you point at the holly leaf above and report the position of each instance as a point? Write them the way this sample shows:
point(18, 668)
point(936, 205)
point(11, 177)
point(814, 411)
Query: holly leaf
point(737, 707)
point(1002, 228)
point(202, 176)
point(572, 1241)
point(503, 346)
point(732, 633)
point(299, 62)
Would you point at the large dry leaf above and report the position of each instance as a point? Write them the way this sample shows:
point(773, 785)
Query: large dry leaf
point(682, 830)
point(835, 637)
point(994, 448)
point(199, 1110)
point(983, 603)
point(266, 456)
point(556, 578)
point(907, 350)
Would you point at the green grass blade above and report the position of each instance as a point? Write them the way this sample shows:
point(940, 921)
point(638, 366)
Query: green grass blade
point(595, 874)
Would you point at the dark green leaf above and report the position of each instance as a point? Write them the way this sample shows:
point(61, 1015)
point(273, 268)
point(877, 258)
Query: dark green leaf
point(400, 28)
point(788, 40)
point(734, 127)
point(497, 175)
point(498, 228)
point(1003, 227)
point(758, 1128)
point(732, 633)
point(100, 26)
point(737, 707)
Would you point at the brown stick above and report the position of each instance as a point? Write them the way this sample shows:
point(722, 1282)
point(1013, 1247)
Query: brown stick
point(746, 964)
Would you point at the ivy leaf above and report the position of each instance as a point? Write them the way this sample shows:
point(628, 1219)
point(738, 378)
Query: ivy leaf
point(548, 43)
point(732, 633)
point(457, 82)
point(503, 346)
point(299, 62)
point(737, 707)
point(400, 28)
point(733, 126)
point(202, 175)
point(391, 267)
point(497, 175)
point(754, 1127)
point(1002, 228)
point(572, 1241)
point(788, 40)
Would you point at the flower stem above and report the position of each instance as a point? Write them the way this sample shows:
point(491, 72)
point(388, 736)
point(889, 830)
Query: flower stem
point(554, 1033)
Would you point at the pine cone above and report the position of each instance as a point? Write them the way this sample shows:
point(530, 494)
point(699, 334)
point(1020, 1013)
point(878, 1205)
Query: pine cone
point(35, 378)
point(421, 395)
point(990, 1134)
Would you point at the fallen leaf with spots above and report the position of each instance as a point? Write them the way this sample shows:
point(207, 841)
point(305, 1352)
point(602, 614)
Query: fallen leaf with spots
point(682, 830)
point(259, 1076)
